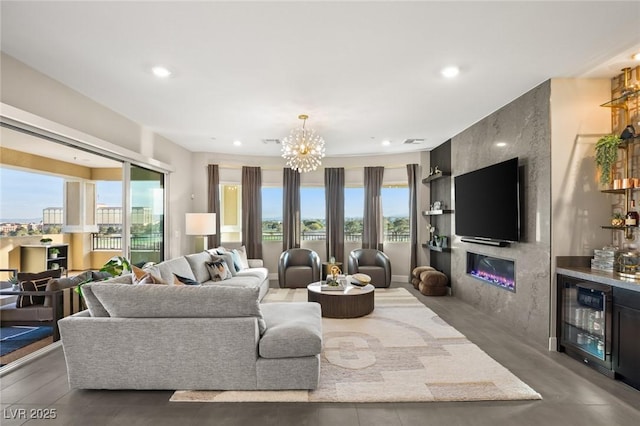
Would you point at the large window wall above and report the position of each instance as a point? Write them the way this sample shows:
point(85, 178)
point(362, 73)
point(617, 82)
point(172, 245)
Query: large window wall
point(48, 193)
point(31, 203)
point(395, 207)
point(395, 212)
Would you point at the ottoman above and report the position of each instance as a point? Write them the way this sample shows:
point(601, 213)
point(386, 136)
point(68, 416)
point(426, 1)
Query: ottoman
point(429, 281)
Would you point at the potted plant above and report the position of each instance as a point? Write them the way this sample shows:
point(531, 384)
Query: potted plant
point(15, 285)
point(606, 156)
point(46, 241)
point(115, 267)
point(53, 253)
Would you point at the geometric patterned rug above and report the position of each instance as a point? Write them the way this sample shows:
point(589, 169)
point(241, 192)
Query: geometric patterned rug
point(401, 352)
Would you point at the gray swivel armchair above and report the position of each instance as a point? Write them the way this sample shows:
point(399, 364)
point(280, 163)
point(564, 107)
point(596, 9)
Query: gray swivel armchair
point(298, 267)
point(372, 262)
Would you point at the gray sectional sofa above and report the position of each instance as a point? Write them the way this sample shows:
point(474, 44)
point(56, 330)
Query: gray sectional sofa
point(216, 336)
point(193, 266)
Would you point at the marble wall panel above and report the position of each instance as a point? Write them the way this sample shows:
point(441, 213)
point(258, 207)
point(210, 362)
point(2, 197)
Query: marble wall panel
point(524, 126)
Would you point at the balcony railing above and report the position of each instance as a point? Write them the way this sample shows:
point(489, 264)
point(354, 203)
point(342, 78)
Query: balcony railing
point(392, 237)
point(143, 242)
point(153, 242)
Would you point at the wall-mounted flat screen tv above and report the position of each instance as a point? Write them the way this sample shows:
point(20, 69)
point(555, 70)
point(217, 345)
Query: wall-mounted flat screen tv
point(487, 202)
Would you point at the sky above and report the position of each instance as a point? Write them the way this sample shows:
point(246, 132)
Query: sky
point(395, 202)
point(24, 195)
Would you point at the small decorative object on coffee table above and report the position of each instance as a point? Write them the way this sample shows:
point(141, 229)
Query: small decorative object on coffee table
point(335, 281)
point(351, 301)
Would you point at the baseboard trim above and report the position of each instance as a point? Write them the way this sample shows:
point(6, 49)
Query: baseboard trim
point(553, 344)
point(400, 278)
point(28, 358)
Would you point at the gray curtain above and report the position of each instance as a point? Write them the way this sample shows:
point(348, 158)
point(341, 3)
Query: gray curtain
point(334, 196)
point(290, 209)
point(213, 202)
point(252, 211)
point(372, 222)
point(413, 176)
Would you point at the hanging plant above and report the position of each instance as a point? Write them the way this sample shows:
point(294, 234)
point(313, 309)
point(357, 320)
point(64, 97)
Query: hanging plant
point(606, 156)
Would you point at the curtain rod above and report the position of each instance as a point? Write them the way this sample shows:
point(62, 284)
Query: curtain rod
point(234, 166)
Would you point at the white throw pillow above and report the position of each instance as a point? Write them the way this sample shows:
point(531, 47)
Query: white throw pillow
point(242, 251)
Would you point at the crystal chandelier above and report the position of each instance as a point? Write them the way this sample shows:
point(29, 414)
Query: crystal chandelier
point(303, 148)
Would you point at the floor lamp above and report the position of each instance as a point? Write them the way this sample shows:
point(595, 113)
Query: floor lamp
point(201, 225)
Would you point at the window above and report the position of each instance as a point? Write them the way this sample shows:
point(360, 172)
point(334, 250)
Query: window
point(231, 218)
point(395, 211)
point(109, 207)
point(353, 213)
point(312, 213)
point(272, 214)
point(30, 203)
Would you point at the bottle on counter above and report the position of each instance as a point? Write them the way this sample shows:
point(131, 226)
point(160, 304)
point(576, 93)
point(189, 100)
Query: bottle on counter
point(632, 217)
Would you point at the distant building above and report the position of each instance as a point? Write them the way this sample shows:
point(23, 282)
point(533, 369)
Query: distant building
point(109, 216)
point(141, 215)
point(52, 216)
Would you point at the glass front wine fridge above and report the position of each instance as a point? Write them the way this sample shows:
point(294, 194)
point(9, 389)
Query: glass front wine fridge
point(585, 322)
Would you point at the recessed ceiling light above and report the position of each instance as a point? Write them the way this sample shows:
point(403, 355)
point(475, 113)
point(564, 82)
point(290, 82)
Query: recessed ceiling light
point(450, 72)
point(501, 144)
point(160, 71)
point(386, 142)
point(636, 56)
point(237, 143)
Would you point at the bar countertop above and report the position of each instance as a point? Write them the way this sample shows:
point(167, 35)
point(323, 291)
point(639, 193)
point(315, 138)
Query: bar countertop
point(603, 277)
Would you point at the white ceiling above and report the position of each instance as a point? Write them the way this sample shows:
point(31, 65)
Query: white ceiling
point(363, 71)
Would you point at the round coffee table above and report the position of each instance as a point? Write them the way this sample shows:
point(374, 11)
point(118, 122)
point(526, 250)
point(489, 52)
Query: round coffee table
point(352, 302)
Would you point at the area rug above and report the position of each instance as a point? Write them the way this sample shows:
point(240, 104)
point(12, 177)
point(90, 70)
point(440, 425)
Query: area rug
point(401, 352)
point(14, 338)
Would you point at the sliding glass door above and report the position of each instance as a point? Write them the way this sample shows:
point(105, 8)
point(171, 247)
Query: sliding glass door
point(146, 205)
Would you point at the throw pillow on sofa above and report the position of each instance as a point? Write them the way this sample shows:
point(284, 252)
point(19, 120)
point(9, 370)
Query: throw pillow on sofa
point(184, 280)
point(140, 276)
point(237, 262)
point(242, 251)
point(219, 270)
point(227, 257)
point(34, 282)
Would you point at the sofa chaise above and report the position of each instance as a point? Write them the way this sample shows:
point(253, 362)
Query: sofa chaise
point(208, 337)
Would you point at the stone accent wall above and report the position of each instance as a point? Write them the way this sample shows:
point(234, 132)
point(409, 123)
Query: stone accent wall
point(524, 125)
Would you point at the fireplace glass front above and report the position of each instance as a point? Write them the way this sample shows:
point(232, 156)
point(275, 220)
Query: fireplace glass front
point(492, 270)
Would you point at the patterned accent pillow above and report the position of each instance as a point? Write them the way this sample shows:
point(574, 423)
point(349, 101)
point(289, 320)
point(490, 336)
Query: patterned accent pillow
point(219, 270)
point(151, 279)
point(184, 280)
point(140, 276)
point(228, 258)
point(34, 282)
point(237, 261)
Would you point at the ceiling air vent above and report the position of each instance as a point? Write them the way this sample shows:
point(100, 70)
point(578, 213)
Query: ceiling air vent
point(271, 141)
point(412, 141)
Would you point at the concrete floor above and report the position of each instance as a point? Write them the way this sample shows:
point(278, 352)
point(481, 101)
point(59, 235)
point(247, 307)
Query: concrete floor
point(573, 394)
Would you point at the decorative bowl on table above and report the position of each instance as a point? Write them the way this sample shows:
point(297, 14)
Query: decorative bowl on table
point(360, 280)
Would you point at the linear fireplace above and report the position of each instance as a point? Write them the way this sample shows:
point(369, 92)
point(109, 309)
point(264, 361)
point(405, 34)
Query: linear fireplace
point(492, 270)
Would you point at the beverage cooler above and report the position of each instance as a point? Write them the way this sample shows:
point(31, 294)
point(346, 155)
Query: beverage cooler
point(585, 322)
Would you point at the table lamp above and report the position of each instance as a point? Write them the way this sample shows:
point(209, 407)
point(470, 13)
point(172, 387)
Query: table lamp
point(201, 225)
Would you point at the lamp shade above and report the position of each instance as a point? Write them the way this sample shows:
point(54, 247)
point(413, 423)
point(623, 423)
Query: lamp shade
point(200, 223)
